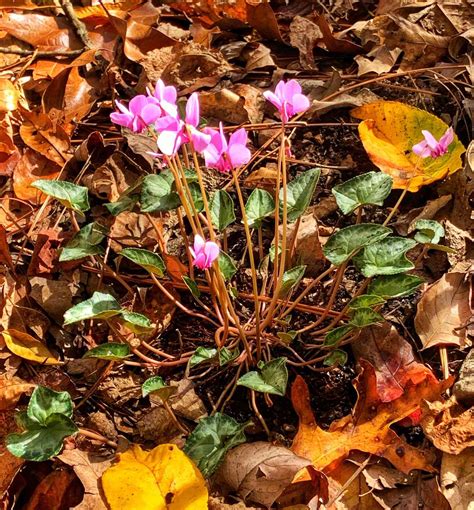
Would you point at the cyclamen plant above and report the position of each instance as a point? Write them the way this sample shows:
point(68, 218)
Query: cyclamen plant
point(243, 338)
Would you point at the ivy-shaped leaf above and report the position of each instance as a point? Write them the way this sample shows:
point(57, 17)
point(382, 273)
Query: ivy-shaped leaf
point(158, 193)
point(271, 378)
point(394, 286)
point(290, 279)
point(222, 209)
point(226, 265)
point(111, 351)
point(429, 231)
point(99, 306)
point(260, 205)
point(149, 260)
point(299, 193)
point(202, 355)
point(366, 301)
point(136, 322)
point(85, 243)
point(157, 386)
point(68, 194)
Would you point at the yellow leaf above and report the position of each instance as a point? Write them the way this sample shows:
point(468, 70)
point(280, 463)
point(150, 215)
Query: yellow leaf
point(24, 345)
point(162, 479)
point(389, 131)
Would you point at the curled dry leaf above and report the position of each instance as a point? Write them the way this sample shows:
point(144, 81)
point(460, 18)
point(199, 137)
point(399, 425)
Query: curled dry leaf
point(260, 471)
point(457, 481)
point(448, 425)
point(9, 154)
point(8, 96)
point(390, 130)
point(11, 389)
point(443, 311)
point(56, 489)
point(160, 479)
point(367, 429)
point(27, 347)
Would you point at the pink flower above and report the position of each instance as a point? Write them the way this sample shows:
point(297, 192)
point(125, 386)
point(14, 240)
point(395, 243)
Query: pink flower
point(223, 155)
point(288, 99)
point(430, 147)
point(165, 96)
point(204, 252)
point(139, 114)
point(173, 132)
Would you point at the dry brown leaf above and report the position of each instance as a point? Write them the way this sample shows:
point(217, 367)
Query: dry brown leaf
point(367, 429)
point(381, 60)
point(128, 227)
point(33, 166)
point(259, 472)
point(9, 154)
point(464, 387)
point(5, 255)
point(8, 96)
point(88, 468)
point(11, 389)
point(304, 35)
point(186, 402)
point(457, 479)
point(55, 491)
point(381, 477)
point(265, 178)
point(448, 425)
point(443, 312)
point(39, 133)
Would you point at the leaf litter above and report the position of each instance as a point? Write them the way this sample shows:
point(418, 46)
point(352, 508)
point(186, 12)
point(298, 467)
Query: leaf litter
point(389, 437)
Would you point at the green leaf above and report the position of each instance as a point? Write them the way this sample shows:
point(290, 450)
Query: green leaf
point(260, 204)
point(363, 317)
point(158, 193)
point(291, 278)
point(68, 194)
point(335, 335)
point(299, 193)
point(369, 188)
point(201, 355)
point(42, 442)
point(385, 257)
point(335, 358)
point(111, 351)
point(84, 243)
point(150, 261)
point(211, 439)
point(45, 402)
point(136, 322)
point(226, 265)
point(192, 286)
point(394, 286)
point(429, 231)
point(287, 336)
point(366, 301)
point(222, 210)
point(272, 378)
point(196, 196)
point(157, 386)
point(342, 245)
point(226, 355)
point(125, 203)
point(99, 306)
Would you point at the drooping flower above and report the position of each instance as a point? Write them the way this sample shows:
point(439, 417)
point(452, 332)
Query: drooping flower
point(173, 132)
point(226, 155)
point(288, 99)
point(204, 252)
point(430, 147)
point(137, 116)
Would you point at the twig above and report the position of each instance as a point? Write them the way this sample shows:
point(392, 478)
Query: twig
point(46, 53)
point(81, 29)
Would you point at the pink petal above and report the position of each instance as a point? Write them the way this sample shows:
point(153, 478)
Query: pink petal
point(159, 90)
point(292, 88)
point(170, 94)
point(198, 244)
point(122, 108)
point(239, 155)
point(447, 139)
point(169, 142)
point(212, 252)
point(168, 123)
point(421, 149)
point(192, 110)
point(137, 104)
point(211, 155)
point(223, 139)
point(150, 113)
point(239, 137)
point(280, 90)
point(200, 140)
point(300, 103)
point(122, 119)
point(430, 139)
point(275, 100)
point(200, 261)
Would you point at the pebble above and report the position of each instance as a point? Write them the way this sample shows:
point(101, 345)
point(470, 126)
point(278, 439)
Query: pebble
point(464, 387)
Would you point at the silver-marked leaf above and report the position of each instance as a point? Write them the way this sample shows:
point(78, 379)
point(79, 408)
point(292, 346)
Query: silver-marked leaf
point(335, 358)
point(201, 355)
point(156, 386)
point(99, 306)
point(385, 257)
point(291, 278)
point(136, 322)
point(260, 204)
point(226, 355)
point(429, 231)
point(394, 286)
point(271, 378)
point(125, 203)
point(369, 188)
point(149, 260)
point(334, 336)
point(299, 193)
point(158, 193)
point(226, 265)
point(45, 402)
point(363, 317)
point(85, 243)
point(222, 210)
point(192, 286)
point(111, 351)
point(68, 194)
point(366, 301)
point(342, 245)
point(196, 195)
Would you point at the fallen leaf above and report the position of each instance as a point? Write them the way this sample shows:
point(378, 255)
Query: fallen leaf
point(457, 480)
point(27, 347)
point(304, 35)
point(163, 478)
point(55, 491)
point(448, 425)
point(11, 389)
point(185, 402)
point(9, 154)
point(8, 96)
point(443, 311)
point(38, 132)
point(388, 132)
point(332, 42)
point(367, 429)
point(381, 477)
point(259, 472)
point(128, 227)
point(31, 167)
point(88, 468)
point(380, 60)
point(5, 255)
point(464, 387)
point(45, 254)
point(393, 359)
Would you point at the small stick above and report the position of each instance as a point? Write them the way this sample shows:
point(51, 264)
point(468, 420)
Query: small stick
point(81, 29)
point(443, 354)
point(97, 437)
